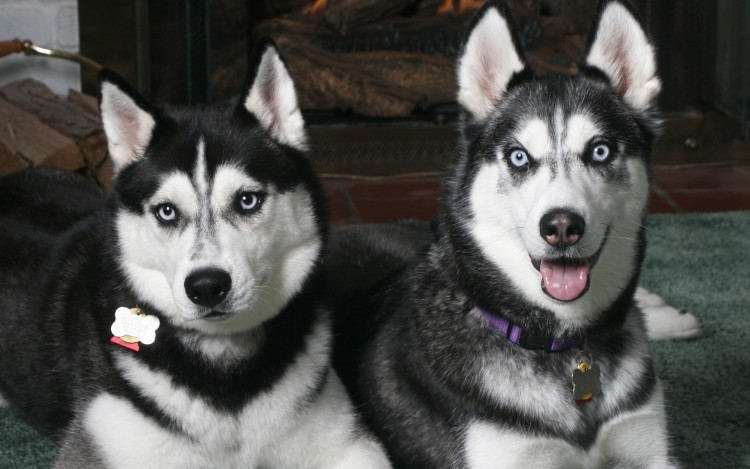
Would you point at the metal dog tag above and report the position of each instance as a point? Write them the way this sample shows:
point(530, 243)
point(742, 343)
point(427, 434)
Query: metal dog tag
point(586, 382)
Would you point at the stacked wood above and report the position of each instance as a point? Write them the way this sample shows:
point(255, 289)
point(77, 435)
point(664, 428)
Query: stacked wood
point(229, 46)
point(39, 128)
point(276, 7)
point(579, 13)
point(346, 15)
point(381, 83)
point(84, 102)
point(30, 142)
point(388, 58)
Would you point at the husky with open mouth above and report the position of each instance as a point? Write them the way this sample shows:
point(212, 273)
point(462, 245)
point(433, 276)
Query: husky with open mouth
point(178, 323)
point(515, 340)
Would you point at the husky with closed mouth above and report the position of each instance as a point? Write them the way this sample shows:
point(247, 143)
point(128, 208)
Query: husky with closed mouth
point(515, 340)
point(178, 323)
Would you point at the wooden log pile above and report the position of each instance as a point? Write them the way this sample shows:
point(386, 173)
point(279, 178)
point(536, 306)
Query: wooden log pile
point(388, 58)
point(41, 129)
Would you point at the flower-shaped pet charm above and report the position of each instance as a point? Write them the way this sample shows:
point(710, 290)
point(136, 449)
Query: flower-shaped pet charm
point(132, 326)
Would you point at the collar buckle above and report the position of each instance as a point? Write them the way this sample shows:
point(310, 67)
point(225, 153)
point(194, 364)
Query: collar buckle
point(534, 342)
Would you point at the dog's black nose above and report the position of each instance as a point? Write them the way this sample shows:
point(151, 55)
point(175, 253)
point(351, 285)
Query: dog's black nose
point(208, 287)
point(561, 228)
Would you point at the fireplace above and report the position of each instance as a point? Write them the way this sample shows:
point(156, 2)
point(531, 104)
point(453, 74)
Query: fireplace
point(395, 59)
point(376, 78)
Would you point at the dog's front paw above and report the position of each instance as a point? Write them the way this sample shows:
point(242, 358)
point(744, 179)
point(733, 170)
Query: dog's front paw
point(664, 322)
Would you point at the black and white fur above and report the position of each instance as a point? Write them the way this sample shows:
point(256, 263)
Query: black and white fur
point(553, 172)
point(216, 225)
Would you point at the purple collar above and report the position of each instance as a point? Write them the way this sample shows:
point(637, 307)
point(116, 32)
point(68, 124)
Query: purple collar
point(528, 341)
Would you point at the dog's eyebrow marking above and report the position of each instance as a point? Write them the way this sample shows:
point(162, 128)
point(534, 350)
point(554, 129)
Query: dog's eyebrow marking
point(581, 129)
point(534, 136)
point(228, 180)
point(176, 187)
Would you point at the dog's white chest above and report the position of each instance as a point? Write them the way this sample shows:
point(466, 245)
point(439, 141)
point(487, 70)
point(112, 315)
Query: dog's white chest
point(631, 439)
point(277, 428)
point(203, 436)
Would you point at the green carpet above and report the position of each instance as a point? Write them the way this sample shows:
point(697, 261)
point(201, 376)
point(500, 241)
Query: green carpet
point(700, 262)
point(695, 261)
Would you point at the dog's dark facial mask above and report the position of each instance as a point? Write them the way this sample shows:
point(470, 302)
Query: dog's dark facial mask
point(555, 169)
point(219, 216)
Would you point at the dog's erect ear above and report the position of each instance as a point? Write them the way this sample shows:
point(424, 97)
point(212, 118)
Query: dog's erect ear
point(620, 48)
point(491, 57)
point(271, 98)
point(128, 120)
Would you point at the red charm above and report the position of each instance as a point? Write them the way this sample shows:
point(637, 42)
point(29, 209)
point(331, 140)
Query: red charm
point(119, 341)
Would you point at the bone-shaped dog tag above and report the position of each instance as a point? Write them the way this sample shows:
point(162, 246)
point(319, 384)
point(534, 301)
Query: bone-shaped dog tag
point(132, 326)
point(586, 382)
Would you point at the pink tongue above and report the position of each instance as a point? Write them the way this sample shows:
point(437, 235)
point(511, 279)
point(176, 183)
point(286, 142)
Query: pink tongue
point(564, 281)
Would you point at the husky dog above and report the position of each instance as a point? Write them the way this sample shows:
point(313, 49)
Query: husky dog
point(179, 324)
point(515, 340)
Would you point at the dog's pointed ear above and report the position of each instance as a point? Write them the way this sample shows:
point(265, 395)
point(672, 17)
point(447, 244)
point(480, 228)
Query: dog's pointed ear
point(128, 120)
point(490, 58)
point(270, 96)
point(620, 47)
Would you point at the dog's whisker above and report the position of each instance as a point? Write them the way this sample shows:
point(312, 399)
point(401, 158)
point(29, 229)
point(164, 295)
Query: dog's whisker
point(514, 228)
point(620, 237)
point(615, 235)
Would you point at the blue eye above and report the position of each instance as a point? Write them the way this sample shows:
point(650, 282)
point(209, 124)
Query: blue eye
point(249, 202)
point(518, 158)
point(600, 153)
point(166, 213)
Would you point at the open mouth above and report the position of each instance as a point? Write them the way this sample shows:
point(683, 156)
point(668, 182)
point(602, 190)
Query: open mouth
point(566, 279)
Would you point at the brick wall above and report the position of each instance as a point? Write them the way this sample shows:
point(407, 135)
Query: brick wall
point(47, 23)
